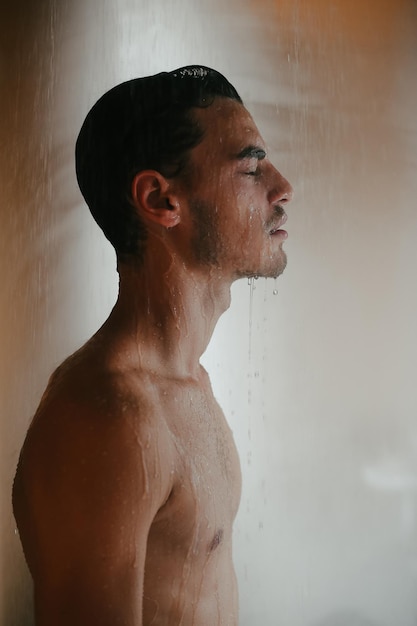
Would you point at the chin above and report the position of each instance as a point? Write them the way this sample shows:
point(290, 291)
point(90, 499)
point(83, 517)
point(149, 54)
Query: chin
point(281, 269)
point(267, 270)
point(281, 266)
point(274, 271)
point(262, 273)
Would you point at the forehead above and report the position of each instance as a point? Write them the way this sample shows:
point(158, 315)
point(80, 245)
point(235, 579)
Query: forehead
point(228, 128)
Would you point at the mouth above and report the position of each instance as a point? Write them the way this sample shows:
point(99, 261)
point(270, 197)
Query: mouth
point(276, 228)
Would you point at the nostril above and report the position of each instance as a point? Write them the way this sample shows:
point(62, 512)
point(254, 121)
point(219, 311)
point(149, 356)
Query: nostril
point(289, 191)
point(288, 196)
point(281, 195)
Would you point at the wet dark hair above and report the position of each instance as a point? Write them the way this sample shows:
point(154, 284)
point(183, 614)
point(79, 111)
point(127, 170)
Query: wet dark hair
point(144, 123)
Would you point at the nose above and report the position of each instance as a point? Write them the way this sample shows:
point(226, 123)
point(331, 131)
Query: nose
point(281, 190)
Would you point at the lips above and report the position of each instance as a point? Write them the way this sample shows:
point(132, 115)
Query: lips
point(276, 228)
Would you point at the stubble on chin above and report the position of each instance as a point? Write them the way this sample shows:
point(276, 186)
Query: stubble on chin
point(268, 270)
point(282, 266)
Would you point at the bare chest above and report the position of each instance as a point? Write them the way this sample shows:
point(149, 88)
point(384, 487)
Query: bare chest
point(207, 483)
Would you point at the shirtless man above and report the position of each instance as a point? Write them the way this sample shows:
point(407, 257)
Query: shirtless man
point(129, 481)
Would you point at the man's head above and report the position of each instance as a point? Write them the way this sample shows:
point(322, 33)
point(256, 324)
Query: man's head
point(142, 124)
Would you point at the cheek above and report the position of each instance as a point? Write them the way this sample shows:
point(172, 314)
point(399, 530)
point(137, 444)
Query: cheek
point(254, 219)
point(253, 213)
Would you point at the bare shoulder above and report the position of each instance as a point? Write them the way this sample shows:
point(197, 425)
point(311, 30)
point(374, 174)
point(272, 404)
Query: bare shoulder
point(92, 405)
point(97, 417)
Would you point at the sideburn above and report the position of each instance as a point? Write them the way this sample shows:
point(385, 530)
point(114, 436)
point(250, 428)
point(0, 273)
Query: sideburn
point(205, 243)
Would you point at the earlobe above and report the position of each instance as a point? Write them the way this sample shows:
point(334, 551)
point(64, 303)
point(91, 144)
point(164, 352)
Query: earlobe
point(154, 198)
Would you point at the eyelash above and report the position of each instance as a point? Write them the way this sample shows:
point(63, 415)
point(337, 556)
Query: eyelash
point(255, 173)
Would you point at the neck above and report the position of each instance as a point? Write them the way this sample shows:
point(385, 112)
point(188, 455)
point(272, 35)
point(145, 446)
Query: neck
point(166, 313)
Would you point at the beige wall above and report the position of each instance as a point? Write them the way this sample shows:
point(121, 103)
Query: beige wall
point(318, 382)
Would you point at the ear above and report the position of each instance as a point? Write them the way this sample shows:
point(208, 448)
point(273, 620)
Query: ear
point(155, 199)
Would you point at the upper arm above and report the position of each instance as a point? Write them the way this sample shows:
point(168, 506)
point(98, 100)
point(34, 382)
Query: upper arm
point(91, 486)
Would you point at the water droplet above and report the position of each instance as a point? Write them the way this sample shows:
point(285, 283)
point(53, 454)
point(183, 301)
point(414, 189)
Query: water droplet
point(275, 292)
point(251, 283)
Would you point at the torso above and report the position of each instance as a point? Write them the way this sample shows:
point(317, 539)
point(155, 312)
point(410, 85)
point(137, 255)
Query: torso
point(189, 576)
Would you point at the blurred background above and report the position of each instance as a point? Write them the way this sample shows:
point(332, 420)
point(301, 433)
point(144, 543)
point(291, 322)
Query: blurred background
point(318, 381)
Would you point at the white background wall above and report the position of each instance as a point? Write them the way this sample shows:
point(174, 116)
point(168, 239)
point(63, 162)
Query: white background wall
point(318, 382)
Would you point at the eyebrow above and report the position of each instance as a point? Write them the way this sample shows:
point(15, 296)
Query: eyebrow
point(251, 152)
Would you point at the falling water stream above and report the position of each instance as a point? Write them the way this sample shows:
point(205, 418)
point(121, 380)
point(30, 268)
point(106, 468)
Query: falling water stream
point(327, 529)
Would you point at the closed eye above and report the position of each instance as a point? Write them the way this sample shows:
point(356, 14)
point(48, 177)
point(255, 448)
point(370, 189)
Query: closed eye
point(253, 155)
point(251, 152)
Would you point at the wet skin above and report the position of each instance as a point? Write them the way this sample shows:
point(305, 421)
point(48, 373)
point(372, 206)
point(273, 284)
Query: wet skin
point(237, 196)
point(129, 480)
point(136, 484)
